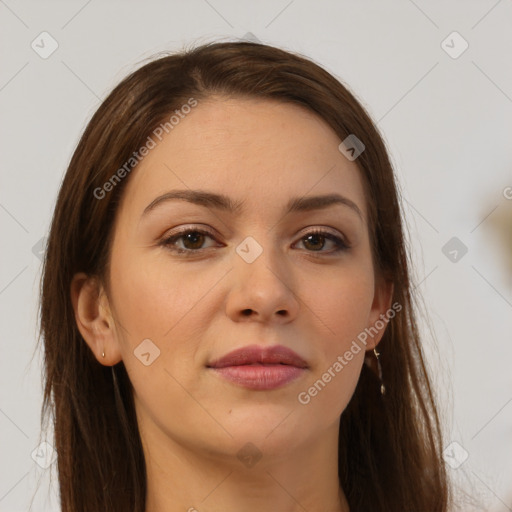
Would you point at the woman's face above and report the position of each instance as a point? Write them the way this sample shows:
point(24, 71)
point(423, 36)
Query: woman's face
point(259, 277)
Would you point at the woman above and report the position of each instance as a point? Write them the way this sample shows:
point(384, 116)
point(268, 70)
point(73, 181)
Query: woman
point(225, 255)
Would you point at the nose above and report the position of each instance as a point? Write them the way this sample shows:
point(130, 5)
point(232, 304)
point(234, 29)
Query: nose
point(262, 290)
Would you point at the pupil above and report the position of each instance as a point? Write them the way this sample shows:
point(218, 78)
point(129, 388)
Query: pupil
point(315, 237)
point(193, 237)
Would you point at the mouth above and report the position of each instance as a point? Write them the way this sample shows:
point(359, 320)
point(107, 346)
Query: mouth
point(260, 368)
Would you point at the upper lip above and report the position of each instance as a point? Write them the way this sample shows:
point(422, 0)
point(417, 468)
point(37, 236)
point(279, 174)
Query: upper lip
point(277, 354)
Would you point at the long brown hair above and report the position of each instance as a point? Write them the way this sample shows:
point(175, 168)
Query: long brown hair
point(390, 447)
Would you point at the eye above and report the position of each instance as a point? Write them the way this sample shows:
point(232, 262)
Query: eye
point(192, 239)
point(315, 241)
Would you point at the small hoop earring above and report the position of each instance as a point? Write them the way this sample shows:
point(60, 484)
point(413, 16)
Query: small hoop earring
point(379, 369)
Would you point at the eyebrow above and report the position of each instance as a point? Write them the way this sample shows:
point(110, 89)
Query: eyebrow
point(222, 202)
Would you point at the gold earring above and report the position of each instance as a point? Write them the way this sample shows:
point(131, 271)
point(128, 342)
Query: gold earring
point(379, 369)
point(103, 353)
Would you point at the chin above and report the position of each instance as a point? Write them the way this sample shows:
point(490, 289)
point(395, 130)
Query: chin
point(277, 428)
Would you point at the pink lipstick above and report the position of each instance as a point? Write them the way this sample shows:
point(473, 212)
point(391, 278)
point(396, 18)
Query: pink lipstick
point(260, 368)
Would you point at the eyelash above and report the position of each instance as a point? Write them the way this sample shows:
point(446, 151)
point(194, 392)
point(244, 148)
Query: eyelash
point(168, 241)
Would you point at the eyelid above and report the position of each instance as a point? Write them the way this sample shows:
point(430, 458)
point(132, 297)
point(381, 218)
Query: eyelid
point(323, 230)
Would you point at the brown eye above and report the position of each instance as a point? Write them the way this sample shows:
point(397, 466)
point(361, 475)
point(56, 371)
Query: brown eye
point(315, 241)
point(192, 240)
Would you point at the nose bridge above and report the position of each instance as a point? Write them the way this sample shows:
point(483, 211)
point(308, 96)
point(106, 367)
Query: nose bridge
point(262, 280)
point(259, 264)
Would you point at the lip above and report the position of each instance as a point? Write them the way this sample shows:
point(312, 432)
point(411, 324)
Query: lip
point(260, 368)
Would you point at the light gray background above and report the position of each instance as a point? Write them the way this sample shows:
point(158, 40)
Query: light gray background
point(448, 125)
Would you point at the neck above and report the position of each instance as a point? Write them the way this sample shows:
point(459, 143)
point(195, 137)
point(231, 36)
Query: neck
point(181, 478)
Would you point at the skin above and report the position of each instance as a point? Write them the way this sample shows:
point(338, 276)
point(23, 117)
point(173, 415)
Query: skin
point(194, 309)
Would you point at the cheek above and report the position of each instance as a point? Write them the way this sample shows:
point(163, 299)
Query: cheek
point(169, 304)
point(340, 304)
point(329, 391)
point(340, 312)
point(152, 296)
point(156, 301)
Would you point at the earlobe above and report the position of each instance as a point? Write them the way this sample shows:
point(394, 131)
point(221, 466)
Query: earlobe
point(93, 318)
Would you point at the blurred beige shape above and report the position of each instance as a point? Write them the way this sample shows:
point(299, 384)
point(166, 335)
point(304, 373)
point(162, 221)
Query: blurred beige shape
point(500, 226)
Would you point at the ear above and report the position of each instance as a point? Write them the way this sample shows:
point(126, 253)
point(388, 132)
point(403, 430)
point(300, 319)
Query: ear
point(379, 313)
point(94, 319)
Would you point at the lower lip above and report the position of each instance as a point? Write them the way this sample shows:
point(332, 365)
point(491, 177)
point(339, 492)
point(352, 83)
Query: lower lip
point(260, 377)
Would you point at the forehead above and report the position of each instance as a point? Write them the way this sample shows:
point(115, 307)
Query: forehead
point(261, 152)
